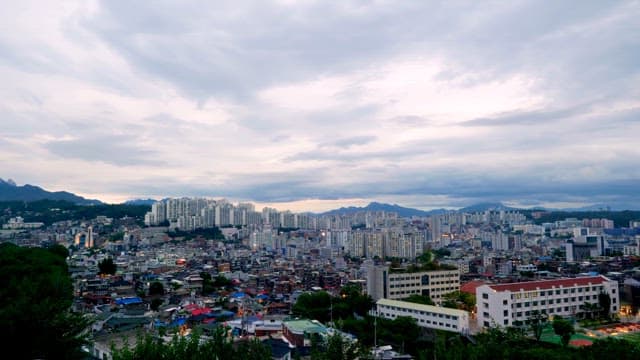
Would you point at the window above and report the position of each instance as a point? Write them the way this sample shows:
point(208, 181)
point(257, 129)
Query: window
point(504, 302)
point(505, 313)
point(506, 322)
point(485, 296)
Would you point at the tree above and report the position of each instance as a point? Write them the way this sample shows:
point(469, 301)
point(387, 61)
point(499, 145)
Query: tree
point(589, 309)
point(107, 267)
point(604, 301)
point(221, 282)
point(156, 289)
point(419, 299)
point(155, 304)
point(207, 283)
point(313, 306)
point(35, 300)
point(335, 347)
point(564, 329)
point(459, 300)
point(59, 250)
point(218, 347)
point(537, 321)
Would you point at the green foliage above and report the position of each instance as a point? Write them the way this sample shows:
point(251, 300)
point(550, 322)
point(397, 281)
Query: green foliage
point(604, 302)
point(424, 262)
point(314, 306)
point(336, 348)
point(116, 236)
point(155, 304)
point(459, 300)
point(107, 267)
point(59, 250)
point(419, 299)
point(442, 253)
point(620, 218)
point(564, 329)
point(221, 282)
point(207, 283)
point(213, 233)
point(537, 321)
point(510, 343)
point(156, 288)
point(193, 347)
point(50, 211)
point(322, 307)
point(35, 299)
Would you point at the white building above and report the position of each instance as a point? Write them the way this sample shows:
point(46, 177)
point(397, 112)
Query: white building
point(384, 283)
point(18, 223)
point(427, 316)
point(510, 304)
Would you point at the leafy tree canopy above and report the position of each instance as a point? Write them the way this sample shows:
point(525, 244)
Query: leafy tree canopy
point(107, 267)
point(35, 299)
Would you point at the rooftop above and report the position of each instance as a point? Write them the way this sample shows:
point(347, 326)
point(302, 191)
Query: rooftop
point(550, 284)
point(421, 307)
point(309, 326)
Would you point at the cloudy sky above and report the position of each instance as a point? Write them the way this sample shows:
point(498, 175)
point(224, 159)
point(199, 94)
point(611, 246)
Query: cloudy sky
point(308, 105)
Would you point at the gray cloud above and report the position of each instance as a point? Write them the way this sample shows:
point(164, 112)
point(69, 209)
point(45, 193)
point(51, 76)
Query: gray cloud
point(346, 143)
point(116, 150)
point(543, 99)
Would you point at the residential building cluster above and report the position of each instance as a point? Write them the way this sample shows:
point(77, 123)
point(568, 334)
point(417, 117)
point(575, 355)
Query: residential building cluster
point(513, 265)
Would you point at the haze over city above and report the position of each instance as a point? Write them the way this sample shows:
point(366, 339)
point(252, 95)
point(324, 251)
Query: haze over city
point(315, 105)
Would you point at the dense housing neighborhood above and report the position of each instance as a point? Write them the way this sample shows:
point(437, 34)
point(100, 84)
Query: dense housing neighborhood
point(292, 281)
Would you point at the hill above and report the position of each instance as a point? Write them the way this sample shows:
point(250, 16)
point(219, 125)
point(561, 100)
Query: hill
point(147, 202)
point(486, 206)
point(10, 191)
point(376, 206)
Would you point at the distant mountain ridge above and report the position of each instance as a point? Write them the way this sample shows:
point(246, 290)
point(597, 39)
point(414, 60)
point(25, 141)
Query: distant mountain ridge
point(409, 212)
point(147, 202)
point(10, 191)
point(486, 206)
point(376, 206)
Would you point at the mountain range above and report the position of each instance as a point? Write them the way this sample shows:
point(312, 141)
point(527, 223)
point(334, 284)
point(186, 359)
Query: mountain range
point(376, 206)
point(10, 191)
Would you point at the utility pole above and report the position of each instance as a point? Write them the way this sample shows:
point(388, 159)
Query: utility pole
point(375, 334)
point(331, 306)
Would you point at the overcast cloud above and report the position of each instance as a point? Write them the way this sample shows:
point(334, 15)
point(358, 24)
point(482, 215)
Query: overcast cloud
point(325, 103)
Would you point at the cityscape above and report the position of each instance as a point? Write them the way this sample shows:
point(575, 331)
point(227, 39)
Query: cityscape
point(317, 180)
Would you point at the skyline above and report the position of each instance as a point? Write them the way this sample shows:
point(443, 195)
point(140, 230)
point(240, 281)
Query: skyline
point(309, 105)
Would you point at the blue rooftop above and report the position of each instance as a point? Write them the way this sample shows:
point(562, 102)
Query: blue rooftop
point(129, 301)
